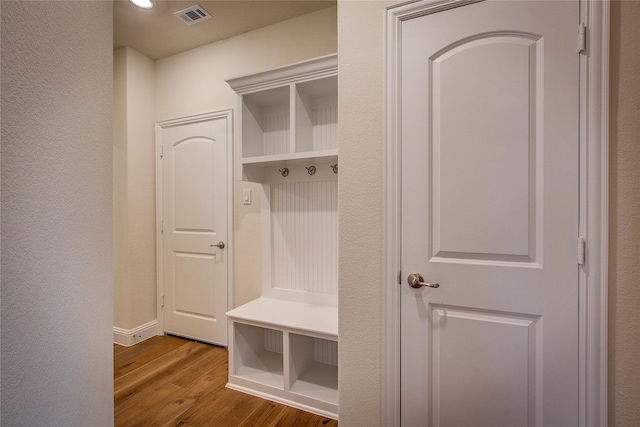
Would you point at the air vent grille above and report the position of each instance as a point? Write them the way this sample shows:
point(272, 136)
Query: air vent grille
point(192, 15)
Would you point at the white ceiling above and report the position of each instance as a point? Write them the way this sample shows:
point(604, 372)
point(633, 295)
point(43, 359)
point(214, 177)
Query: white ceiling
point(158, 33)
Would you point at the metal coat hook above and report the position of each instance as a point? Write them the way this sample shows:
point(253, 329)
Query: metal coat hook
point(335, 168)
point(311, 170)
point(284, 172)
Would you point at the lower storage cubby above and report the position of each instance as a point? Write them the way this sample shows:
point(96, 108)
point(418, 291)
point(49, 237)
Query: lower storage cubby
point(313, 367)
point(258, 354)
point(286, 352)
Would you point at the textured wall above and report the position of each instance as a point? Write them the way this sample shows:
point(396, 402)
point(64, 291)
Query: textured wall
point(193, 82)
point(56, 214)
point(121, 298)
point(361, 140)
point(134, 192)
point(624, 220)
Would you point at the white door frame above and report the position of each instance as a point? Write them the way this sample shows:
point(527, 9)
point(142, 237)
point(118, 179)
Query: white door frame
point(222, 114)
point(594, 205)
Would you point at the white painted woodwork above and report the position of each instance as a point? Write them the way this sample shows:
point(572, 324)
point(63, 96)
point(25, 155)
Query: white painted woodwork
point(129, 337)
point(594, 65)
point(307, 374)
point(253, 359)
point(265, 122)
point(288, 116)
point(194, 217)
point(484, 208)
point(283, 345)
point(316, 114)
point(304, 230)
point(489, 125)
point(287, 352)
point(325, 351)
point(273, 341)
point(313, 319)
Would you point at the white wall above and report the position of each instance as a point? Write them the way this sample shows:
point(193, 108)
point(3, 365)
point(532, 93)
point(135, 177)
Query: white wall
point(121, 297)
point(193, 82)
point(134, 190)
point(361, 47)
point(57, 356)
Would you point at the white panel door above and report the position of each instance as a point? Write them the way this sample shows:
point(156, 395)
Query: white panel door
point(490, 213)
point(194, 217)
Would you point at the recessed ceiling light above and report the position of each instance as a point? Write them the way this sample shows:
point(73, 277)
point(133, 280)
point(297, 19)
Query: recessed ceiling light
point(145, 4)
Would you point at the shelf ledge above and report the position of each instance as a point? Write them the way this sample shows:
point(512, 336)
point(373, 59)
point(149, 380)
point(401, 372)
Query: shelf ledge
point(292, 316)
point(292, 158)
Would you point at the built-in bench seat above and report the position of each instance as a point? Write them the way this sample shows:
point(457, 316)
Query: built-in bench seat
point(286, 352)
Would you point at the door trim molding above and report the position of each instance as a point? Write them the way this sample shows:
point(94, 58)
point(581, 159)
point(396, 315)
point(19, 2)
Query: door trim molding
point(594, 205)
point(221, 114)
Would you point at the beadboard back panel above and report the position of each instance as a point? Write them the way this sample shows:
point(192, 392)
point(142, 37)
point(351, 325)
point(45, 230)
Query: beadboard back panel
point(275, 125)
point(325, 126)
point(304, 231)
point(325, 351)
point(273, 341)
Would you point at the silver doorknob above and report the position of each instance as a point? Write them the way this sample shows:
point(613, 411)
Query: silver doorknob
point(219, 245)
point(417, 281)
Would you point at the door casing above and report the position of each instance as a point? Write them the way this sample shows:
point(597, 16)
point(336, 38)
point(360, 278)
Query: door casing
point(593, 220)
point(222, 114)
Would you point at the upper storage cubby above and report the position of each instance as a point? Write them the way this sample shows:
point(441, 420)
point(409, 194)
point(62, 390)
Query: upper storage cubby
point(288, 119)
point(265, 123)
point(316, 115)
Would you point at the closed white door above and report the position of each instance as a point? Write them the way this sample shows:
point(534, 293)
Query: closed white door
point(194, 228)
point(490, 119)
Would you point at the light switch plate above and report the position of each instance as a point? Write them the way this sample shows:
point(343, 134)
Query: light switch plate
point(246, 196)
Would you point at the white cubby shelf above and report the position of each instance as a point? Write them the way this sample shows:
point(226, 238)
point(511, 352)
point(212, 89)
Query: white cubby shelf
point(287, 352)
point(284, 345)
point(289, 117)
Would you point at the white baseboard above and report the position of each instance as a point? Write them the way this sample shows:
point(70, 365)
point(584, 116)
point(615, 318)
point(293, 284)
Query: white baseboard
point(129, 337)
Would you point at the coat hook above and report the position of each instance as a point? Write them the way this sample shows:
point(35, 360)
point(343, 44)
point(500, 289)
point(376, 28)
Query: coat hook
point(311, 170)
point(284, 172)
point(335, 168)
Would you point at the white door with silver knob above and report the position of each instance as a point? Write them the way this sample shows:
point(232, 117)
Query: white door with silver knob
point(489, 294)
point(195, 226)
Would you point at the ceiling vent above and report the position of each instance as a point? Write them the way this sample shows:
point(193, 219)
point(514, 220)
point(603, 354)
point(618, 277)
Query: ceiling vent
point(192, 15)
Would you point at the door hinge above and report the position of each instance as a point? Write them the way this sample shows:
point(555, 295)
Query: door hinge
point(582, 39)
point(162, 301)
point(582, 245)
point(161, 226)
point(162, 151)
point(400, 277)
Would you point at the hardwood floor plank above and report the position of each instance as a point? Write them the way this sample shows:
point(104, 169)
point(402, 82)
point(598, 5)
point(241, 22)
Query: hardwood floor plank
point(295, 417)
point(154, 372)
point(196, 367)
point(117, 349)
point(176, 382)
point(211, 381)
point(214, 358)
point(142, 353)
point(224, 407)
point(140, 409)
point(266, 415)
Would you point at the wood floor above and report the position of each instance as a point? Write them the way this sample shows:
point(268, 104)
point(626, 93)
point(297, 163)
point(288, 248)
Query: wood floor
point(169, 381)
